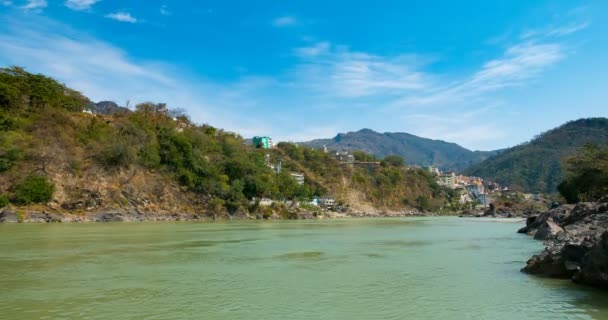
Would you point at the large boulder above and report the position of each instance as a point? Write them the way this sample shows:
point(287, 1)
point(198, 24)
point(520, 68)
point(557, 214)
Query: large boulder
point(548, 230)
point(594, 268)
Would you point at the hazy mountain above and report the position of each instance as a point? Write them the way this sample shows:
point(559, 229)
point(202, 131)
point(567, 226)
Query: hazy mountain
point(107, 108)
point(416, 150)
point(537, 165)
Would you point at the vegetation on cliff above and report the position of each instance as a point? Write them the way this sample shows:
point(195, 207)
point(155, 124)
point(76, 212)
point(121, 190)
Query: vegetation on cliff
point(156, 159)
point(540, 164)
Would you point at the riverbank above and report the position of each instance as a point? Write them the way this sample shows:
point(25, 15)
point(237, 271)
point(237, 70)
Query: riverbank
point(19, 215)
point(576, 238)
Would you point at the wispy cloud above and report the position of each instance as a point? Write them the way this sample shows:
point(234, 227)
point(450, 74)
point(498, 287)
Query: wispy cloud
point(519, 63)
point(324, 76)
point(35, 5)
point(164, 10)
point(122, 17)
point(566, 30)
point(80, 4)
point(314, 50)
point(284, 21)
point(336, 70)
point(7, 3)
point(461, 125)
point(554, 31)
point(104, 72)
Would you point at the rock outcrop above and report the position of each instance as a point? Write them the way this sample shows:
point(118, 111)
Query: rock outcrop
point(577, 243)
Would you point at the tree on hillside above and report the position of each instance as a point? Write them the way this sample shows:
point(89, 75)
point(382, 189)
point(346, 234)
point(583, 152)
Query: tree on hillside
point(587, 175)
point(393, 161)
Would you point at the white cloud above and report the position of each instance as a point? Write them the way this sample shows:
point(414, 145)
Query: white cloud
point(520, 62)
point(35, 4)
point(122, 17)
point(564, 31)
point(284, 21)
point(7, 3)
point(164, 11)
point(316, 49)
point(338, 72)
point(102, 71)
point(80, 4)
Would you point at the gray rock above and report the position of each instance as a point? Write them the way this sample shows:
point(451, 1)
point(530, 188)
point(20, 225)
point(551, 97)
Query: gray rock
point(594, 268)
point(8, 215)
point(548, 230)
point(577, 243)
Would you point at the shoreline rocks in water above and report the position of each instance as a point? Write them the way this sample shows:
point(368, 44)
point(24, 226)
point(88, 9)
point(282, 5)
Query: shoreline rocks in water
point(499, 213)
point(577, 243)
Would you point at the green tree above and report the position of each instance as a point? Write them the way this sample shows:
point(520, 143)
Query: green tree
point(393, 161)
point(587, 175)
point(33, 189)
point(3, 201)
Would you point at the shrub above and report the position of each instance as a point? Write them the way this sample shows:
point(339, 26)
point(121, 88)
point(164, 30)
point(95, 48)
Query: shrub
point(3, 201)
point(33, 189)
point(117, 154)
point(587, 175)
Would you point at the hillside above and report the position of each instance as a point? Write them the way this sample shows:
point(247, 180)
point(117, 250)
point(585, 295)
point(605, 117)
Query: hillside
point(416, 150)
point(539, 164)
point(153, 160)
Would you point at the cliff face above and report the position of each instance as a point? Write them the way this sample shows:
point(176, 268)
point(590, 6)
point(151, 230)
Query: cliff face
point(577, 243)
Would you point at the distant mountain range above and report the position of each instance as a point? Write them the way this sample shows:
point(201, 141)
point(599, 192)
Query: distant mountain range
point(532, 166)
point(538, 164)
point(107, 108)
point(415, 150)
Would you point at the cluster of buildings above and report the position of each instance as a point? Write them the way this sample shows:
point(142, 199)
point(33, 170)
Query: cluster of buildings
point(472, 189)
point(326, 202)
point(475, 189)
point(264, 142)
point(277, 168)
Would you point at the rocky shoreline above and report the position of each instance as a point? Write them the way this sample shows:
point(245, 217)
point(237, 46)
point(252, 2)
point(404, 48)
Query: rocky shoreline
point(8, 215)
point(576, 238)
point(499, 213)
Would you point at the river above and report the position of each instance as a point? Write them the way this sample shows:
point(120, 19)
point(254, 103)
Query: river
point(394, 268)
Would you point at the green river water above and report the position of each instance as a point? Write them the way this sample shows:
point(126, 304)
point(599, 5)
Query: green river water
point(410, 268)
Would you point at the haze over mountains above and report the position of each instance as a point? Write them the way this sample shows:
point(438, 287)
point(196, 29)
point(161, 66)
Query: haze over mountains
point(416, 150)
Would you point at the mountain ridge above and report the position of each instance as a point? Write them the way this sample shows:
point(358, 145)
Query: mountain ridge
point(416, 150)
point(537, 165)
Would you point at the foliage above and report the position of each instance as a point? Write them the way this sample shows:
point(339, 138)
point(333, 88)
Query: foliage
point(3, 201)
point(33, 189)
point(538, 165)
point(587, 175)
point(20, 89)
point(393, 161)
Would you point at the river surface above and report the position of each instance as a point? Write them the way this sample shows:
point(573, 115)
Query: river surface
point(410, 268)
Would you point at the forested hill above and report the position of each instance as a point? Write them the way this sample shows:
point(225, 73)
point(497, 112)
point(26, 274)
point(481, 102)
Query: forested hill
point(416, 150)
point(538, 165)
point(155, 159)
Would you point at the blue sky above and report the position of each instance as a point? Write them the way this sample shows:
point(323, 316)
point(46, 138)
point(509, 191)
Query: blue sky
point(483, 74)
